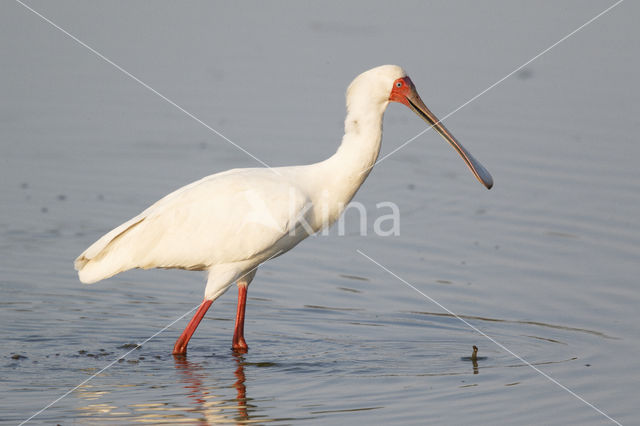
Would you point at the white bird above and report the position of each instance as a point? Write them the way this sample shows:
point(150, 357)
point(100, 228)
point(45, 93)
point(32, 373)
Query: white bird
point(230, 222)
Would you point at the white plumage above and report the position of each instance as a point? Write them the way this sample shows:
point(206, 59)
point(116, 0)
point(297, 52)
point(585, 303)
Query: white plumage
point(228, 217)
point(228, 223)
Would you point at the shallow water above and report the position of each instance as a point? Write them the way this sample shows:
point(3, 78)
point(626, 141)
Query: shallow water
point(546, 263)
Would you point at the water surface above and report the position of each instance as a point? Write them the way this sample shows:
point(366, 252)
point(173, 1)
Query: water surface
point(546, 263)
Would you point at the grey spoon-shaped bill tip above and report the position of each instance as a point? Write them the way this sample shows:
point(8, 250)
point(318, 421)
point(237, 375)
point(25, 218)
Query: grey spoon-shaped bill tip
point(416, 104)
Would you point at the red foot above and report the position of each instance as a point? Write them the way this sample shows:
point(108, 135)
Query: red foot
point(180, 348)
point(240, 347)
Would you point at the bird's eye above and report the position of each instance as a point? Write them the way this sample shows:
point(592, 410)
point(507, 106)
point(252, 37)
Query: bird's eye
point(399, 84)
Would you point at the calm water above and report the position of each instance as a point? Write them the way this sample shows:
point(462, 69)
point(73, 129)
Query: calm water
point(546, 263)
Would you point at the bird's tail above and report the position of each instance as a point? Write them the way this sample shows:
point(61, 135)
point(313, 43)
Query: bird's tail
point(103, 259)
point(91, 271)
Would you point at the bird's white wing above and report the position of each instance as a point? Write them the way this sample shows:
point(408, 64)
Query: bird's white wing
point(223, 218)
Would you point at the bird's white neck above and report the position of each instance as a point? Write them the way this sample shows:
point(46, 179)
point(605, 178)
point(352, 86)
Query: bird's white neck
point(338, 178)
point(360, 146)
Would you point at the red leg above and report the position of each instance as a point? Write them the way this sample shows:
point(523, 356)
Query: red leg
point(239, 345)
point(180, 348)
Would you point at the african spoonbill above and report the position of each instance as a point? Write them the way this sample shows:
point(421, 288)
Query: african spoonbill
point(230, 222)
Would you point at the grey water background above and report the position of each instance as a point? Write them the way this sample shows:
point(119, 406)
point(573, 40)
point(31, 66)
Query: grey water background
point(546, 263)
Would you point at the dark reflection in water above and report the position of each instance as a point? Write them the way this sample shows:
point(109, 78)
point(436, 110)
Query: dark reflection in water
point(241, 388)
point(198, 393)
point(474, 358)
point(191, 375)
point(195, 377)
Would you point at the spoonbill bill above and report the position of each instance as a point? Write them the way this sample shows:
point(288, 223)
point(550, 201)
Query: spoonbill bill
point(229, 223)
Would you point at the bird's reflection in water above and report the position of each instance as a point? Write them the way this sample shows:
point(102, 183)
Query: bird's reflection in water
point(192, 377)
point(213, 407)
point(241, 389)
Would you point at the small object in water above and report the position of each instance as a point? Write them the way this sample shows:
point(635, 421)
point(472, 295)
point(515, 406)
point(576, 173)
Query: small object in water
point(474, 356)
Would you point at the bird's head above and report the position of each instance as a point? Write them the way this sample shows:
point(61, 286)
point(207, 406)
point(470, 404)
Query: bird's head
point(372, 86)
point(390, 83)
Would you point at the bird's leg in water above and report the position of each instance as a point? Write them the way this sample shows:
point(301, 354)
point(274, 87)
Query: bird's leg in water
point(239, 345)
point(180, 348)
